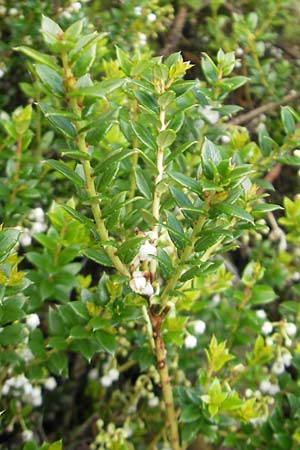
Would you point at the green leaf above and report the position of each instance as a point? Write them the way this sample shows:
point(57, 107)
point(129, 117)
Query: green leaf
point(73, 31)
point(185, 181)
point(190, 413)
point(58, 363)
point(98, 255)
point(8, 239)
point(287, 120)
point(60, 123)
point(66, 171)
point(176, 231)
point(115, 156)
point(12, 334)
point(234, 210)
point(165, 138)
point(106, 340)
point(58, 445)
point(51, 31)
point(179, 150)
point(210, 153)
point(123, 61)
point(265, 207)
point(129, 248)
point(209, 68)
point(83, 64)
point(39, 57)
point(262, 294)
point(142, 183)
point(80, 217)
point(144, 135)
point(99, 90)
point(50, 78)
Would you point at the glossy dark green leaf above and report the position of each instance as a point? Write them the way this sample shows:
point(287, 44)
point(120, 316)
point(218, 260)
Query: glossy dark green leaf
point(39, 57)
point(66, 171)
point(99, 90)
point(98, 255)
point(50, 78)
point(176, 231)
point(287, 120)
point(144, 135)
point(186, 181)
point(142, 183)
point(234, 211)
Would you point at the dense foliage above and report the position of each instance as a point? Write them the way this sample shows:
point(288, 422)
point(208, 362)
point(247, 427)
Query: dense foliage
point(149, 247)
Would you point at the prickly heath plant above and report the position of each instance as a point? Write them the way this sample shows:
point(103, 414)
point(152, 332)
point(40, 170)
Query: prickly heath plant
point(157, 196)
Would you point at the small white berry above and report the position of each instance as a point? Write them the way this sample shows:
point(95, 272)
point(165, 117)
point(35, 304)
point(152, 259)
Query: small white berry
point(76, 6)
point(190, 341)
point(225, 139)
point(274, 389)
point(286, 359)
point(248, 393)
point(265, 386)
point(239, 51)
point(93, 374)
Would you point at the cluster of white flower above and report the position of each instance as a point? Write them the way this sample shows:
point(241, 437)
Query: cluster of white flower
point(37, 216)
point(20, 386)
point(139, 282)
point(73, 8)
point(108, 379)
point(140, 285)
point(210, 114)
point(142, 39)
point(283, 360)
point(267, 387)
point(32, 321)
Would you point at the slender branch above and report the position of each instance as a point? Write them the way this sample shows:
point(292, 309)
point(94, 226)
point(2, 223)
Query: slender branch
point(89, 178)
point(16, 175)
point(162, 366)
point(176, 31)
point(247, 117)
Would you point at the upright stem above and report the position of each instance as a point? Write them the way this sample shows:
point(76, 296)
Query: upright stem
point(89, 178)
point(16, 175)
point(162, 366)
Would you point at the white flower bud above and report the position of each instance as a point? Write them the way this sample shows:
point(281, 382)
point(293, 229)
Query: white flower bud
point(261, 313)
point(25, 238)
point(286, 359)
point(278, 367)
point(269, 341)
point(137, 10)
point(32, 321)
point(151, 17)
point(148, 290)
point(142, 38)
point(114, 374)
point(50, 383)
point(274, 389)
point(138, 284)
point(199, 327)
point(248, 393)
point(93, 374)
point(216, 299)
point(239, 51)
point(265, 386)
point(76, 6)
point(37, 214)
point(225, 139)
point(27, 435)
point(36, 396)
point(267, 328)
point(106, 381)
point(146, 251)
point(38, 227)
point(190, 341)
point(290, 329)
point(153, 402)
point(13, 11)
